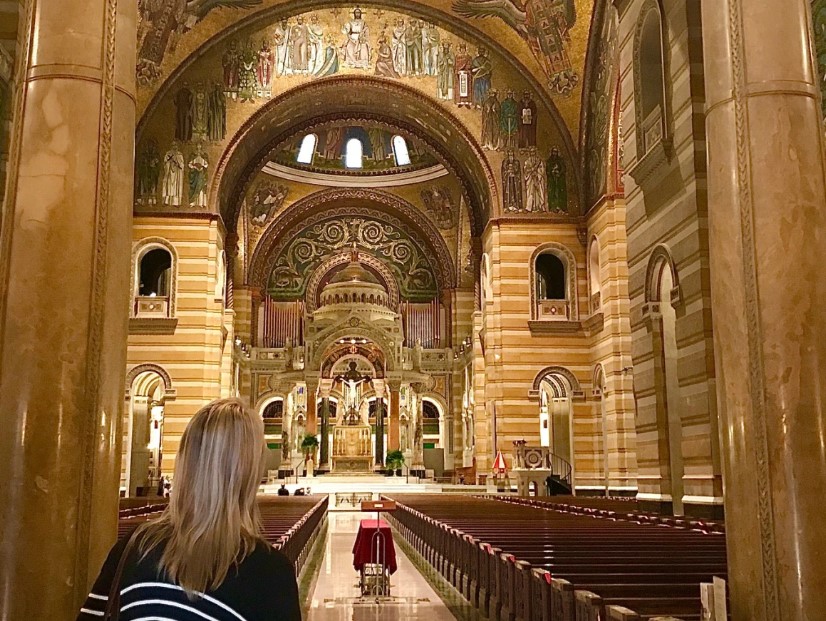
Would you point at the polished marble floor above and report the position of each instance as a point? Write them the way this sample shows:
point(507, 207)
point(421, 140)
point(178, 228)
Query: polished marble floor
point(336, 597)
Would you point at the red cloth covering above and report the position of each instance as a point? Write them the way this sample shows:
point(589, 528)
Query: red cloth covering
point(364, 544)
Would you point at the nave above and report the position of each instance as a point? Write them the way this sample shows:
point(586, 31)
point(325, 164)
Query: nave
point(503, 558)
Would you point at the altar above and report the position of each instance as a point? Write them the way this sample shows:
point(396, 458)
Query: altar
point(352, 449)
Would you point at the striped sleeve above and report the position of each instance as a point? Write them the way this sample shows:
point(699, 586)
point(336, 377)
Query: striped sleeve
point(95, 605)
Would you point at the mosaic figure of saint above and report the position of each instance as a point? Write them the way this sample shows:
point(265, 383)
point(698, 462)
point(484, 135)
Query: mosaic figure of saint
point(281, 37)
point(148, 173)
point(315, 32)
point(231, 63)
point(399, 47)
point(491, 113)
point(527, 121)
point(462, 94)
point(557, 182)
point(357, 47)
point(247, 85)
point(482, 70)
point(509, 122)
point(200, 113)
point(431, 42)
point(536, 182)
point(330, 64)
point(173, 176)
point(217, 114)
point(511, 183)
point(198, 166)
point(413, 41)
point(183, 114)
point(266, 67)
point(300, 46)
point(384, 59)
point(444, 81)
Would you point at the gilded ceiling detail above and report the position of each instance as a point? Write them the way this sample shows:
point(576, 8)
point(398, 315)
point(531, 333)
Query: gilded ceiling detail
point(183, 142)
point(385, 240)
point(544, 24)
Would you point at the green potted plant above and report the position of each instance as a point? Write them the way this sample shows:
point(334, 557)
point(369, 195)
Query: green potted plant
point(309, 445)
point(395, 461)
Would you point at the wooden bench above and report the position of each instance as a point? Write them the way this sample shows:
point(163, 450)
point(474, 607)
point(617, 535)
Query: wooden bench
point(513, 560)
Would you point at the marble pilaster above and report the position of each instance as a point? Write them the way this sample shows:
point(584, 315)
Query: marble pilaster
point(767, 210)
point(64, 286)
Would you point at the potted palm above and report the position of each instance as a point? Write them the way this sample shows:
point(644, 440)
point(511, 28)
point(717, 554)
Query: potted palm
point(309, 445)
point(395, 461)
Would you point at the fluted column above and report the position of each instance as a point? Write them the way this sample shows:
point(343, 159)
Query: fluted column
point(767, 210)
point(64, 287)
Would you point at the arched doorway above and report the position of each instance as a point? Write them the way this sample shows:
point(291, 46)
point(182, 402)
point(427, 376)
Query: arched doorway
point(141, 464)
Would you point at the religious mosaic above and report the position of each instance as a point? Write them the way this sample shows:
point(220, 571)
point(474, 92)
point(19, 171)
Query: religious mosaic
point(295, 263)
point(544, 24)
point(532, 184)
point(267, 199)
point(374, 42)
point(175, 179)
point(438, 203)
point(600, 102)
point(326, 151)
point(162, 23)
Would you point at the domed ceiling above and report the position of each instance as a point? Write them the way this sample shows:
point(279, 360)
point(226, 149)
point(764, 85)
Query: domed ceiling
point(379, 151)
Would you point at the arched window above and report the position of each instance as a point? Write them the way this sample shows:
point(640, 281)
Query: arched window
point(274, 411)
point(155, 273)
point(307, 150)
point(595, 275)
point(550, 277)
point(651, 83)
point(354, 153)
point(153, 285)
point(400, 151)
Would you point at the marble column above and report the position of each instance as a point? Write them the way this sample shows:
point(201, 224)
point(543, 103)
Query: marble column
point(379, 441)
point(312, 410)
point(64, 296)
point(767, 211)
point(324, 452)
point(393, 438)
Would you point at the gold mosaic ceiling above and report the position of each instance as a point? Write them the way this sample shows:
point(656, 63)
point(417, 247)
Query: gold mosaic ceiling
point(548, 39)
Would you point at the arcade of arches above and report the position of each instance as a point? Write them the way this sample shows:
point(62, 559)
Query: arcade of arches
point(427, 226)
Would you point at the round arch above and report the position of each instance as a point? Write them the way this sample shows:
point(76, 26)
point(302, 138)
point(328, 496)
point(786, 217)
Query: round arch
point(660, 259)
point(139, 250)
point(569, 260)
point(352, 202)
point(559, 373)
point(475, 32)
point(372, 356)
point(295, 111)
point(137, 370)
point(323, 347)
point(314, 284)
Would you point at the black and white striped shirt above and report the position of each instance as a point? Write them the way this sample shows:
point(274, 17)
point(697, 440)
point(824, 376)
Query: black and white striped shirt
point(262, 588)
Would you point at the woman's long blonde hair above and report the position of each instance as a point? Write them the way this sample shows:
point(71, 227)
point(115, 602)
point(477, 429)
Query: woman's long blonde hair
point(212, 521)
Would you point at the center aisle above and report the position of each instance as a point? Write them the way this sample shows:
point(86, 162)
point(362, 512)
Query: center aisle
point(336, 594)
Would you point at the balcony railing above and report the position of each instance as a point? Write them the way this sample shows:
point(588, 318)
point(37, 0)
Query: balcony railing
point(151, 307)
point(553, 310)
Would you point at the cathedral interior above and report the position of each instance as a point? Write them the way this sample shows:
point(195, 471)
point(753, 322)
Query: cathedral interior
point(467, 251)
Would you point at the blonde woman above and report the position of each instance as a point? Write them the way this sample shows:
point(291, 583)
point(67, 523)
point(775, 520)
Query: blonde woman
point(204, 558)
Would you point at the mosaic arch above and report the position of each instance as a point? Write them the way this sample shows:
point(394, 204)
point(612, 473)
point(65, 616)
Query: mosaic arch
point(190, 126)
point(327, 223)
point(546, 40)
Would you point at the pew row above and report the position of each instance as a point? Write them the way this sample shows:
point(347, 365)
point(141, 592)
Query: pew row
point(524, 563)
point(290, 524)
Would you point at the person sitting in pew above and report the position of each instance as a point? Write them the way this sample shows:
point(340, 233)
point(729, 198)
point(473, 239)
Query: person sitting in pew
point(205, 556)
point(299, 492)
point(283, 491)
